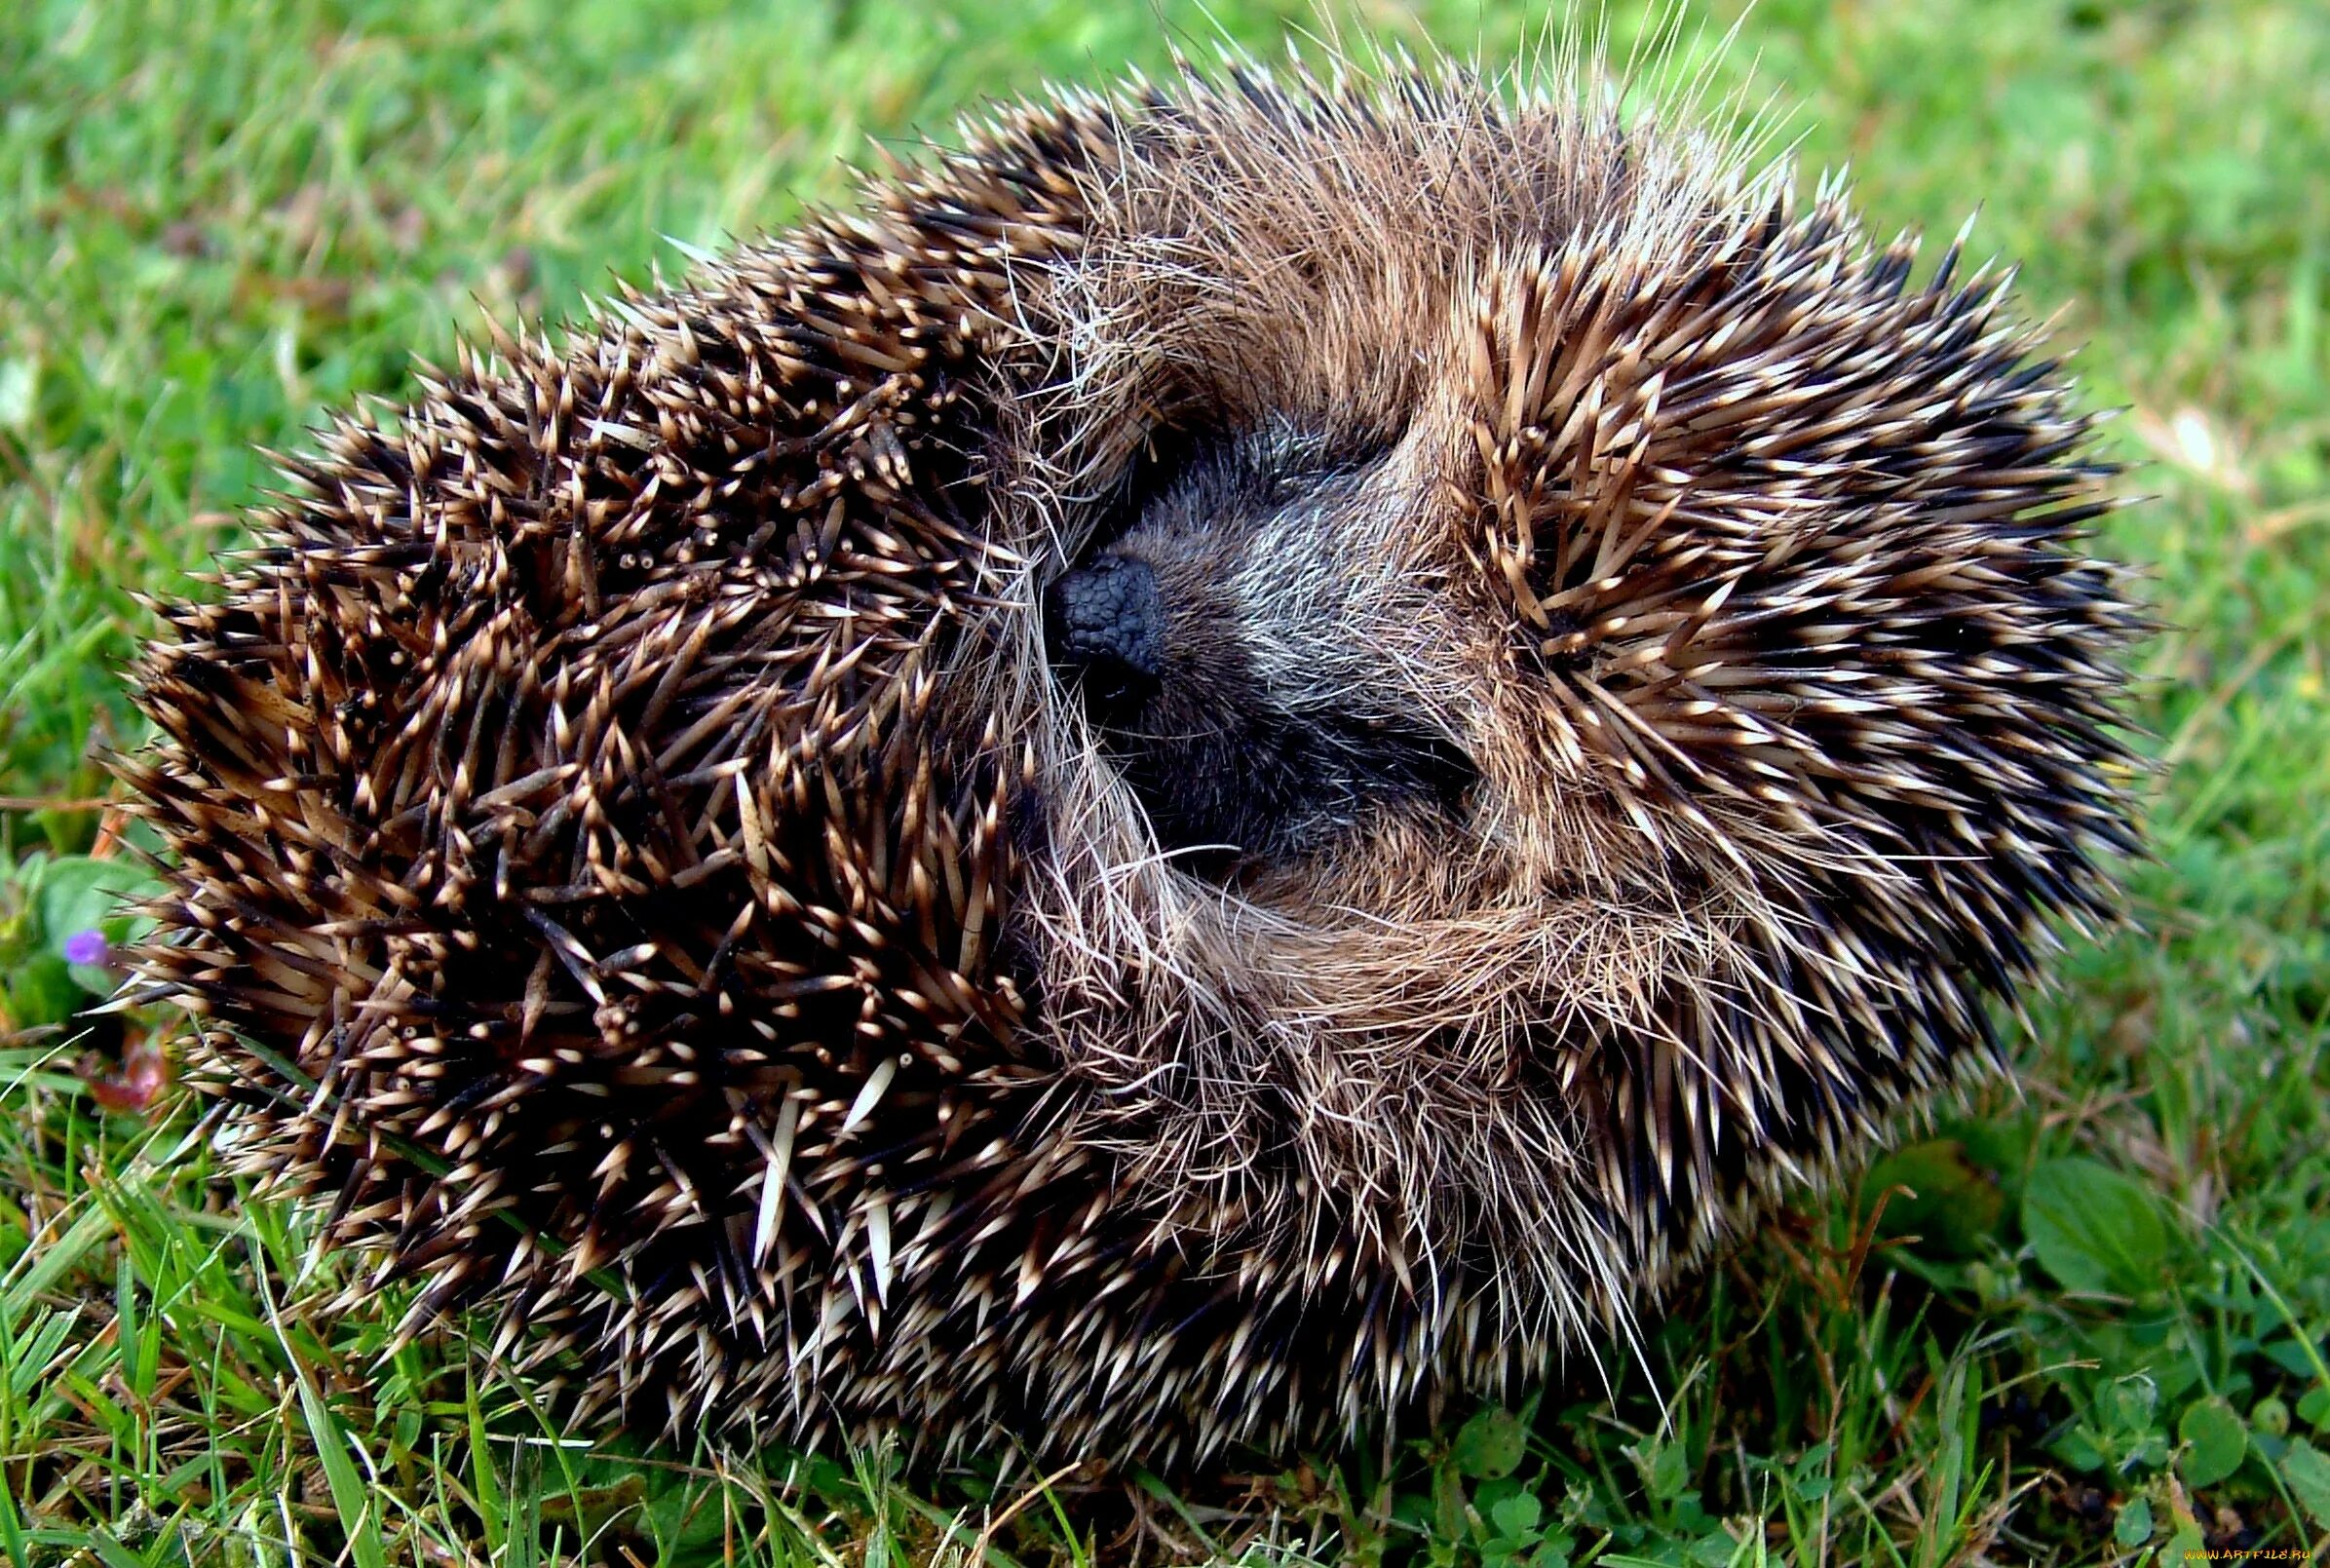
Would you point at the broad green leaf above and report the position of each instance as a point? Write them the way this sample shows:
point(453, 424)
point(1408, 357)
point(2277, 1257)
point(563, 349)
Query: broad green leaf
point(1517, 1515)
point(1490, 1444)
point(2294, 1357)
point(2307, 1472)
point(1938, 1195)
point(2215, 1441)
point(1717, 1549)
point(43, 991)
point(1668, 1472)
point(2093, 1228)
point(2126, 1404)
point(78, 893)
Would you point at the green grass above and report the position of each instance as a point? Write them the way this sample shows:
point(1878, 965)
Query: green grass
point(218, 218)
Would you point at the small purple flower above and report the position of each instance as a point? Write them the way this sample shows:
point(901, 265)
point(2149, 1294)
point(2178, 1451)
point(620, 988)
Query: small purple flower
point(87, 947)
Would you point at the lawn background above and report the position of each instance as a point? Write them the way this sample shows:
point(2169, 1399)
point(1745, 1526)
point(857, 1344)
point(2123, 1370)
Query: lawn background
point(2096, 1332)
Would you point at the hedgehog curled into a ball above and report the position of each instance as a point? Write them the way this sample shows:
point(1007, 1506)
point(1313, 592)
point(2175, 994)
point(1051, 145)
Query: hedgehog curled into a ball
point(1242, 762)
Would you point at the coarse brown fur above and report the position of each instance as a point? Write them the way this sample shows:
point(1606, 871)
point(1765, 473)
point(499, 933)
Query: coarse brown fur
point(640, 861)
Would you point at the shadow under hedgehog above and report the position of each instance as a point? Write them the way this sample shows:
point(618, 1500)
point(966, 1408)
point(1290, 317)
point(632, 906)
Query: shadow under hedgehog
point(1251, 756)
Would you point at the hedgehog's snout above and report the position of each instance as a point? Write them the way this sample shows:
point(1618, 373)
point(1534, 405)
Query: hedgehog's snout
point(1105, 634)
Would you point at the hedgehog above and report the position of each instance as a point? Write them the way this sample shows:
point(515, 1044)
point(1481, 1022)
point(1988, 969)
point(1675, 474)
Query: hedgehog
point(1249, 757)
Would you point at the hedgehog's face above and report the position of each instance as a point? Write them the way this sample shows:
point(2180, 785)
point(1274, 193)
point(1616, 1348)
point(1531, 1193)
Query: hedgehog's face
point(1252, 650)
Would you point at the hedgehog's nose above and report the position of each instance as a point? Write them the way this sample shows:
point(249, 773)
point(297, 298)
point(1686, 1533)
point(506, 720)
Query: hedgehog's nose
point(1104, 630)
